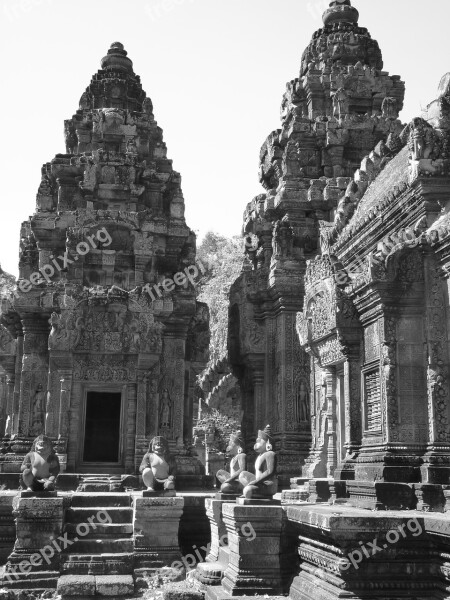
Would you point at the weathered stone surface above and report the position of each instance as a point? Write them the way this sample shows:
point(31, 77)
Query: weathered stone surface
point(218, 529)
point(254, 560)
point(76, 585)
point(156, 524)
point(34, 562)
point(179, 591)
point(105, 310)
point(114, 585)
point(378, 554)
point(333, 115)
point(7, 525)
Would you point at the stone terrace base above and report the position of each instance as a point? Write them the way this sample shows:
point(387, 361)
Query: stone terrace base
point(79, 586)
point(218, 593)
point(109, 542)
point(254, 541)
point(352, 553)
point(156, 526)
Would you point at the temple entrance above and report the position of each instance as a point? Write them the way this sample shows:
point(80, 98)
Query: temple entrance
point(102, 429)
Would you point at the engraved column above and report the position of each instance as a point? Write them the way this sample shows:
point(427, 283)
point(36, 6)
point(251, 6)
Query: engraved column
point(436, 466)
point(330, 383)
point(141, 401)
point(34, 368)
point(10, 384)
point(64, 404)
point(352, 383)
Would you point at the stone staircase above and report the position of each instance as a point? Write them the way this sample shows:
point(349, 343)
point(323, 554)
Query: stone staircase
point(98, 559)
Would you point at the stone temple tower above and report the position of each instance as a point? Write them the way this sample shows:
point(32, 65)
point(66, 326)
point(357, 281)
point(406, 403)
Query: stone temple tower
point(102, 341)
point(333, 114)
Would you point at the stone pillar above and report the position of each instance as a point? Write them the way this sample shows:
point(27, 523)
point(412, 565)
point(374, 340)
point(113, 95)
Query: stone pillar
point(3, 404)
point(130, 432)
point(141, 403)
point(260, 416)
point(352, 383)
point(34, 368)
point(389, 401)
point(353, 418)
point(64, 416)
point(7, 525)
point(156, 523)
point(17, 386)
point(254, 539)
point(291, 366)
point(34, 560)
point(141, 442)
point(330, 382)
point(436, 467)
point(64, 404)
point(173, 380)
point(218, 529)
point(73, 439)
point(10, 384)
point(212, 571)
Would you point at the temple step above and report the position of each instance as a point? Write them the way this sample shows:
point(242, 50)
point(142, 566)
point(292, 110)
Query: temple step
point(30, 581)
point(100, 527)
point(91, 499)
point(88, 515)
point(95, 585)
point(101, 531)
point(97, 564)
point(102, 546)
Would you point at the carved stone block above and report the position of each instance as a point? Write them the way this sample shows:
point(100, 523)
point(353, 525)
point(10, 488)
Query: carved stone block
point(156, 523)
point(254, 564)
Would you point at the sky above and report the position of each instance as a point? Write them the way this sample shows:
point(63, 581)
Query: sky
point(215, 70)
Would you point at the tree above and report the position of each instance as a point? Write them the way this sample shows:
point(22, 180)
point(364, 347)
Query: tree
point(222, 259)
point(220, 425)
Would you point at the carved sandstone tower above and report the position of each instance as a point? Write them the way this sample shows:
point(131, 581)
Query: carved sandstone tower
point(103, 339)
point(336, 111)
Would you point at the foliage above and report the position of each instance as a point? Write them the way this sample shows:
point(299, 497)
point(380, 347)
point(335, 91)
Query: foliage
point(161, 586)
point(222, 259)
point(7, 283)
point(222, 425)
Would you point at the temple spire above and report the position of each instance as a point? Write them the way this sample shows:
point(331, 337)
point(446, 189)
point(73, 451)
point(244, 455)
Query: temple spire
point(340, 11)
point(117, 59)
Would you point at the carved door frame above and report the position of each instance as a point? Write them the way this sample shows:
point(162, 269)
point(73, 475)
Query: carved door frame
point(121, 388)
point(341, 421)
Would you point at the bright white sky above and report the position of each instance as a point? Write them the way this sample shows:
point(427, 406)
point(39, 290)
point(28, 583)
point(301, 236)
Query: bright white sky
point(215, 70)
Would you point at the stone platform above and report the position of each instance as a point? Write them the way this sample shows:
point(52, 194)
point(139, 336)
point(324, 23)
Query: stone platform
point(98, 543)
point(354, 553)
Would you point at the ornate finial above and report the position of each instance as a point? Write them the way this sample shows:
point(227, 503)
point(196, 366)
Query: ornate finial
point(266, 434)
point(237, 438)
point(117, 58)
point(340, 11)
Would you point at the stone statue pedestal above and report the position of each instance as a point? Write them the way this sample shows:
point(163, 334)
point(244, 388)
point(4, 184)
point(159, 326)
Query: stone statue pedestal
point(258, 502)
point(211, 572)
point(39, 521)
point(381, 495)
point(254, 542)
point(218, 529)
point(156, 522)
point(27, 494)
point(162, 494)
point(226, 497)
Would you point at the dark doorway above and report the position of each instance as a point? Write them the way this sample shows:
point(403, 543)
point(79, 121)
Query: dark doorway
point(102, 427)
